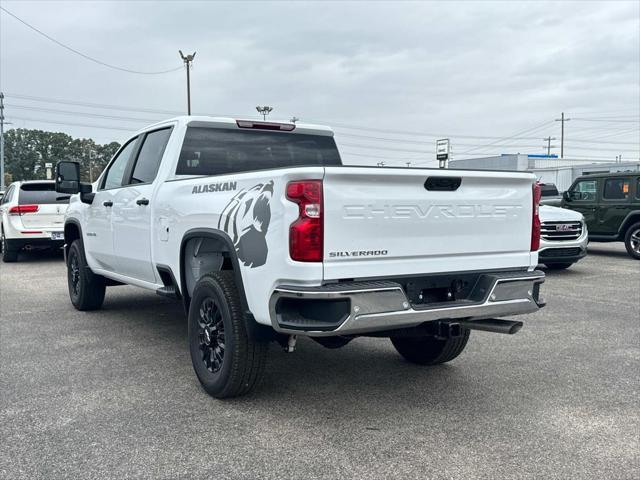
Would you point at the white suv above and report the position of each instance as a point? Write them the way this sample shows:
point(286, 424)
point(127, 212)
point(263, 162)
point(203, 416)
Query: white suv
point(563, 237)
point(32, 216)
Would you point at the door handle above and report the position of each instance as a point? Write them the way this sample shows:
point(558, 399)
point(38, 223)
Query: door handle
point(143, 201)
point(108, 203)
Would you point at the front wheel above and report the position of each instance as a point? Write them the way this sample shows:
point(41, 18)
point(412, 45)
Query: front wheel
point(86, 289)
point(227, 361)
point(557, 266)
point(632, 241)
point(430, 350)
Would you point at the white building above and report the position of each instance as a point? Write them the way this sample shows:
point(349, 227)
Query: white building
point(562, 172)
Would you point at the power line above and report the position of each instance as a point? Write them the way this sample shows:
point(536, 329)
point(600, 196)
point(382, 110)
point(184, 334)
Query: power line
point(528, 130)
point(337, 127)
point(110, 107)
point(349, 145)
point(385, 139)
point(83, 55)
point(39, 120)
point(82, 114)
point(501, 143)
point(604, 120)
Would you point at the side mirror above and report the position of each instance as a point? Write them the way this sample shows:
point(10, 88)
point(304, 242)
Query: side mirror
point(68, 181)
point(68, 177)
point(566, 195)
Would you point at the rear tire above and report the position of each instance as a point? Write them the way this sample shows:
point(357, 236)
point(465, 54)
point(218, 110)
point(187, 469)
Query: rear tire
point(227, 360)
point(557, 266)
point(632, 241)
point(430, 350)
point(8, 256)
point(86, 289)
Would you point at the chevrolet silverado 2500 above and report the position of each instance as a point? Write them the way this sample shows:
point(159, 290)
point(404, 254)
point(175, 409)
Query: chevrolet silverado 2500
point(264, 236)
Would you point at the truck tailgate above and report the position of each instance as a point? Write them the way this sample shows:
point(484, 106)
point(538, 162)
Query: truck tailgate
point(386, 221)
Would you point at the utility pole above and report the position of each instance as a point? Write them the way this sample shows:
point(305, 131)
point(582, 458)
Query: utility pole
point(408, 164)
point(188, 59)
point(562, 119)
point(2, 141)
point(294, 119)
point(549, 146)
point(264, 111)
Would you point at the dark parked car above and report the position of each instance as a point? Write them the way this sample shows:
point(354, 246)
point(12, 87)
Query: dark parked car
point(610, 203)
point(550, 195)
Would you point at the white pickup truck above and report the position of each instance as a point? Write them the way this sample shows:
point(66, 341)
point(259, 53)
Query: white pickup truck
point(264, 236)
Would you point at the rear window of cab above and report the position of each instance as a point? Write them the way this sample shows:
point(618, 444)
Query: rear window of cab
point(219, 151)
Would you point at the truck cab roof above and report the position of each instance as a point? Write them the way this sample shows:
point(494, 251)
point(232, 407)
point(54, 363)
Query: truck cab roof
point(243, 123)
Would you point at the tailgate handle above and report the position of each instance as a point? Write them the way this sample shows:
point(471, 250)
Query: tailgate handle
point(442, 184)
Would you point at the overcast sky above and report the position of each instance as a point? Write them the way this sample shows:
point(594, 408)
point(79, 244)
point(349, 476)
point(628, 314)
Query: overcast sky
point(456, 69)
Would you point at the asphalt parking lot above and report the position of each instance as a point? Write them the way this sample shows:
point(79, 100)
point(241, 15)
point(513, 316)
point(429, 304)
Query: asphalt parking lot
point(112, 394)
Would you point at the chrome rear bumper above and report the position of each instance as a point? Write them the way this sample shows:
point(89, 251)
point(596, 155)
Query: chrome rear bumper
point(353, 308)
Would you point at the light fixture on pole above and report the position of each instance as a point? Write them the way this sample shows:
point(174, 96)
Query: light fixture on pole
point(264, 111)
point(188, 59)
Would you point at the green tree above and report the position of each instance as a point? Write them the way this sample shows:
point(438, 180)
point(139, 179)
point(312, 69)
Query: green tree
point(27, 151)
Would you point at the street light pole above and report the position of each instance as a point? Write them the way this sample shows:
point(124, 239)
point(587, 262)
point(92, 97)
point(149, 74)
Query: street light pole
point(188, 59)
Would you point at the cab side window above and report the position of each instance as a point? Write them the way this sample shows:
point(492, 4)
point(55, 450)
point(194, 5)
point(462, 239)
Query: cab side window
point(118, 167)
point(638, 188)
point(150, 156)
point(616, 189)
point(585, 191)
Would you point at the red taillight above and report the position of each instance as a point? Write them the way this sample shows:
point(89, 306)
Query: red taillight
point(306, 233)
point(22, 209)
point(535, 221)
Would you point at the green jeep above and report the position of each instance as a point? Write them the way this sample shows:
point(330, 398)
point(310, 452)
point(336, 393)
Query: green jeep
point(610, 203)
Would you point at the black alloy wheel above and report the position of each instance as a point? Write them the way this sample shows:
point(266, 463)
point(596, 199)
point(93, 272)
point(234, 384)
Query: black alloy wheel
point(211, 334)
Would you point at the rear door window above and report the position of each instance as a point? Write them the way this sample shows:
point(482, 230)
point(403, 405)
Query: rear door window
point(217, 151)
point(616, 188)
point(40, 194)
point(118, 167)
point(150, 156)
point(638, 188)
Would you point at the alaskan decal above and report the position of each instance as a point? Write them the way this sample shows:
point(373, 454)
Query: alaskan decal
point(246, 220)
point(214, 187)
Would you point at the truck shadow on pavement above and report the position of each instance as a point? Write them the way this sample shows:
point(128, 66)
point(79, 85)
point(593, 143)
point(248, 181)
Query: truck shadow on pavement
point(33, 256)
point(313, 374)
